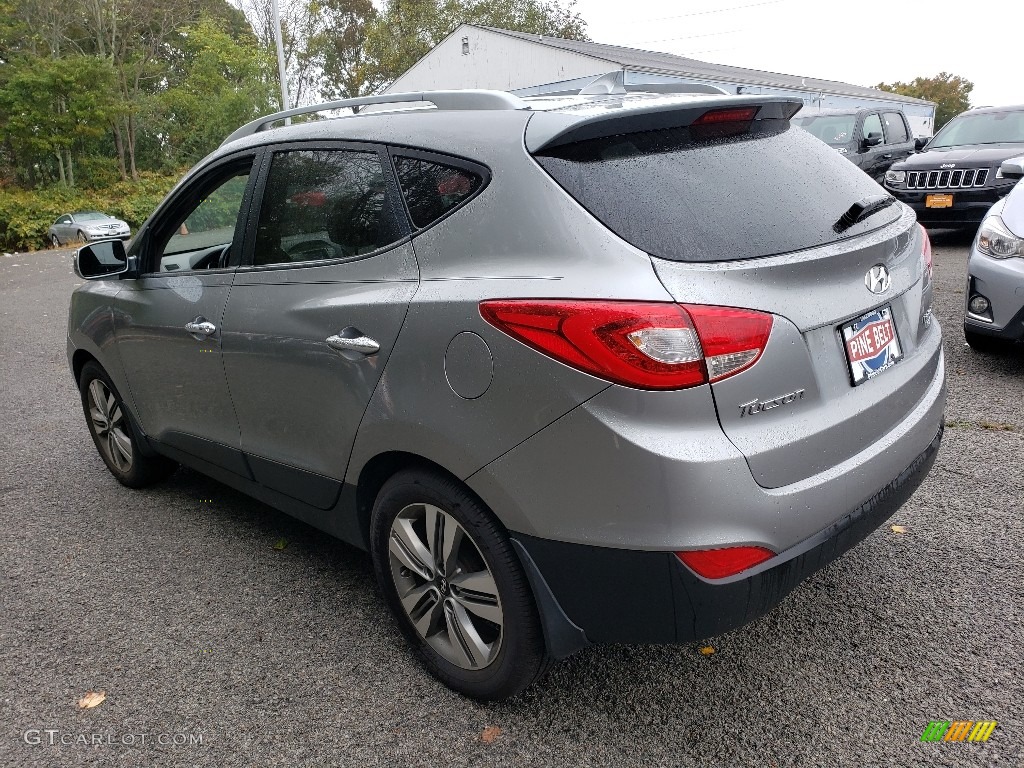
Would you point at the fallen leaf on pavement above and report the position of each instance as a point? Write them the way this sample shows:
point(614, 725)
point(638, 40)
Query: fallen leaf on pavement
point(280, 544)
point(489, 734)
point(706, 650)
point(898, 528)
point(92, 699)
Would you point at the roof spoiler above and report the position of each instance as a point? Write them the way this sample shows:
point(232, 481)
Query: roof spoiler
point(614, 83)
point(552, 129)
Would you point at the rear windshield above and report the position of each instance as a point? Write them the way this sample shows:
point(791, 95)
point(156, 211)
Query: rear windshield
point(772, 189)
point(983, 128)
point(832, 129)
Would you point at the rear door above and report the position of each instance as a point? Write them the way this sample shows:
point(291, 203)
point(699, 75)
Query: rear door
point(168, 321)
point(315, 313)
point(749, 220)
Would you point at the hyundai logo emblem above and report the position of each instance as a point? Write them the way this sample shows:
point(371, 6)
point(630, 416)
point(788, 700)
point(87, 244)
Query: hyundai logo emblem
point(877, 279)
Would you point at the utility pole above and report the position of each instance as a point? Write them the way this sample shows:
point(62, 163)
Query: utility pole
point(280, 59)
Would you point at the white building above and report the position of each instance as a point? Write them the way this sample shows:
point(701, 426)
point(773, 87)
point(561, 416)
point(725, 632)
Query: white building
point(487, 57)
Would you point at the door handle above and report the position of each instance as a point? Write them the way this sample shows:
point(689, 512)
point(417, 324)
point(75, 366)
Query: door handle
point(364, 345)
point(200, 328)
point(887, 156)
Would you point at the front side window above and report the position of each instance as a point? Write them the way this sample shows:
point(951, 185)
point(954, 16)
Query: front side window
point(323, 204)
point(433, 189)
point(895, 128)
point(200, 234)
point(872, 125)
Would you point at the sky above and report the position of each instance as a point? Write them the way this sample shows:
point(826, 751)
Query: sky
point(884, 42)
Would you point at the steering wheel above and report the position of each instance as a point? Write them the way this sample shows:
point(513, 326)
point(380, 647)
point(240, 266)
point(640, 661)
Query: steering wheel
point(315, 250)
point(212, 259)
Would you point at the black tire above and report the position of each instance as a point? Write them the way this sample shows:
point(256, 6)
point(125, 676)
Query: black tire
point(987, 345)
point(81, 237)
point(55, 241)
point(520, 657)
point(135, 470)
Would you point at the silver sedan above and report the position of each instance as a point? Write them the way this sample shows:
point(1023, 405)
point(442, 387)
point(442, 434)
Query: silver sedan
point(85, 226)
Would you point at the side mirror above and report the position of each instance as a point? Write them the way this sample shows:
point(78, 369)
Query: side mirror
point(920, 142)
point(104, 258)
point(1012, 168)
point(873, 139)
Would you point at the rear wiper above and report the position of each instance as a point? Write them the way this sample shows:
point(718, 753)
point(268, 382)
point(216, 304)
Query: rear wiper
point(860, 210)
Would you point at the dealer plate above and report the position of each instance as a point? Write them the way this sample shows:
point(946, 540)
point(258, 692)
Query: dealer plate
point(938, 201)
point(872, 345)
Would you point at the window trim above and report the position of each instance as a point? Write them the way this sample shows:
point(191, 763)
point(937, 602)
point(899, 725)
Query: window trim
point(391, 188)
point(172, 205)
point(481, 170)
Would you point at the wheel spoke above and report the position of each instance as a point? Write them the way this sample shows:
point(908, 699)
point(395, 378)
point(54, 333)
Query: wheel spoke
point(451, 540)
point(98, 395)
point(405, 545)
point(116, 416)
point(98, 420)
point(477, 593)
point(121, 445)
point(435, 520)
point(465, 640)
point(424, 608)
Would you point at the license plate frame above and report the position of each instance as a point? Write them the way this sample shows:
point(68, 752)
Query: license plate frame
point(871, 343)
point(938, 201)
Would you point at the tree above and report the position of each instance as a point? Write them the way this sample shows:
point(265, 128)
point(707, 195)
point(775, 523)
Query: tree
point(49, 107)
point(217, 85)
point(951, 94)
point(408, 29)
point(336, 45)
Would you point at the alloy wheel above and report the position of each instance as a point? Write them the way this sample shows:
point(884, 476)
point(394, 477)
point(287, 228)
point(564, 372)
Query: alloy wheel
point(445, 586)
point(107, 419)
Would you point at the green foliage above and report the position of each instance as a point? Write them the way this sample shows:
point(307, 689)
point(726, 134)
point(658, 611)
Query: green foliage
point(50, 106)
point(26, 214)
point(951, 94)
point(408, 29)
point(217, 84)
point(335, 45)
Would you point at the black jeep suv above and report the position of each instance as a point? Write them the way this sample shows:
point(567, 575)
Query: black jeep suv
point(872, 139)
point(955, 179)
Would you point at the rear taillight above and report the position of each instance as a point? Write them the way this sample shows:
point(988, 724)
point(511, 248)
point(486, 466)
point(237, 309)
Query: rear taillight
point(723, 123)
point(645, 345)
point(727, 561)
point(926, 251)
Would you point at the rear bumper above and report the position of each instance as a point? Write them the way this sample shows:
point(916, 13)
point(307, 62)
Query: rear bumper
point(605, 595)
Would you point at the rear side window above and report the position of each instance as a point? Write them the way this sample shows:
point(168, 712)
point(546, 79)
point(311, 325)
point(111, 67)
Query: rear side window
point(432, 189)
point(772, 189)
point(895, 128)
point(323, 204)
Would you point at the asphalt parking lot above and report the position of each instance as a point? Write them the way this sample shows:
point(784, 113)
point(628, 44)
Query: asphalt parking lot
point(176, 603)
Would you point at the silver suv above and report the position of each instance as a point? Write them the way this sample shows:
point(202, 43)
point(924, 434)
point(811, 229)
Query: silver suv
point(605, 368)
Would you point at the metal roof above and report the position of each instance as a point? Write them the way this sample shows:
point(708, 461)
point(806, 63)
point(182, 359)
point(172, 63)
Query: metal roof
point(670, 64)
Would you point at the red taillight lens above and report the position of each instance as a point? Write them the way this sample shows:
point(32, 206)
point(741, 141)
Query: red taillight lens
point(926, 251)
point(733, 339)
point(728, 561)
point(645, 345)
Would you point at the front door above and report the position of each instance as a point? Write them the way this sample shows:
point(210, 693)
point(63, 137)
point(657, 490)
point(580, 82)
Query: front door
point(312, 319)
point(168, 322)
point(871, 158)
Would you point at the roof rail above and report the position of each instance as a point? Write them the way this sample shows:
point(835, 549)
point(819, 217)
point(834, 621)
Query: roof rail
point(614, 83)
point(455, 100)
